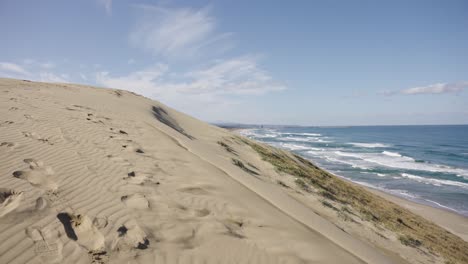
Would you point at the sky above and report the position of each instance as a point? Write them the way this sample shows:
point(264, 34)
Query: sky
point(258, 62)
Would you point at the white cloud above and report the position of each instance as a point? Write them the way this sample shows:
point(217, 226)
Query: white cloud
point(83, 76)
point(47, 65)
point(177, 32)
point(206, 92)
point(239, 76)
point(51, 77)
point(235, 76)
point(438, 88)
point(107, 4)
point(12, 68)
point(32, 70)
point(143, 82)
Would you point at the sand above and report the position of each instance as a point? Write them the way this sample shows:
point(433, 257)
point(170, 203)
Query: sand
point(94, 175)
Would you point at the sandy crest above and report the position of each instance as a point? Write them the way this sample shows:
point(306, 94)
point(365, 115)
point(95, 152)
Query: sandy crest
point(107, 176)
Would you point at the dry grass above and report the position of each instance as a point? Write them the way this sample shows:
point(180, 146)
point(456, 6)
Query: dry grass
point(241, 165)
point(413, 230)
point(227, 147)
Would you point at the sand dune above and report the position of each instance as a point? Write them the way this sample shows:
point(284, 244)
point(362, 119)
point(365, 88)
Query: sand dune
point(91, 175)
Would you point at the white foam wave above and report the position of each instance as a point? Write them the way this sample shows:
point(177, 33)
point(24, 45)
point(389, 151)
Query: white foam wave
point(441, 205)
point(402, 193)
point(354, 164)
point(409, 163)
point(435, 182)
point(369, 145)
point(365, 184)
point(392, 154)
point(258, 133)
point(348, 154)
point(305, 139)
point(294, 146)
point(388, 159)
point(304, 134)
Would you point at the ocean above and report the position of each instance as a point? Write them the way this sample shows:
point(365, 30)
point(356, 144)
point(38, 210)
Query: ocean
point(425, 164)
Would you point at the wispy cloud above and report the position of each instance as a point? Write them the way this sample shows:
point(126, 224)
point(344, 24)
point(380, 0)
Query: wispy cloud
point(12, 68)
point(238, 76)
point(144, 82)
point(208, 92)
point(52, 77)
point(32, 70)
point(107, 4)
point(177, 32)
point(47, 65)
point(438, 88)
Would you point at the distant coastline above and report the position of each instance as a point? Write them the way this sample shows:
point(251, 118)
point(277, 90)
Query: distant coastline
point(247, 126)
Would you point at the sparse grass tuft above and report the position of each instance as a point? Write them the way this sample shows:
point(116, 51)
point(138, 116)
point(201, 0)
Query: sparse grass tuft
point(282, 184)
point(329, 205)
point(241, 165)
point(251, 165)
point(227, 148)
point(409, 241)
point(302, 184)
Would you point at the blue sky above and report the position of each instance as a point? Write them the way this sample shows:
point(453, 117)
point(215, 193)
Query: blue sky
point(307, 62)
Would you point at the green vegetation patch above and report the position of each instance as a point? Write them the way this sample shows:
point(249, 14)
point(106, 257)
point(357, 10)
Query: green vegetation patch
point(304, 186)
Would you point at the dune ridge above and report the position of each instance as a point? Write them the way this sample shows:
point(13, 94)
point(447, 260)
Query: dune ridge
point(93, 175)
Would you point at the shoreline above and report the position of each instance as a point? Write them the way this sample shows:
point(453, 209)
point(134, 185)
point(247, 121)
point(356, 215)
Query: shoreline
point(452, 221)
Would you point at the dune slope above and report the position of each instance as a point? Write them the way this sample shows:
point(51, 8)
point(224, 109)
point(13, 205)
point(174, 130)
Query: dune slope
point(92, 175)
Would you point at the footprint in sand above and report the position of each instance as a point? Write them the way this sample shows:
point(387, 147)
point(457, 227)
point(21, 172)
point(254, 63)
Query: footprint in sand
point(130, 236)
point(37, 137)
point(38, 176)
point(4, 123)
point(177, 233)
point(97, 118)
point(135, 201)
point(234, 227)
point(194, 190)
point(81, 107)
point(92, 118)
point(132, 147)
point(9, 200)
point(140, 178)
point(81, 229)
point(100, 222)
point(47, 245)
point(8, 145)
point(41, 204)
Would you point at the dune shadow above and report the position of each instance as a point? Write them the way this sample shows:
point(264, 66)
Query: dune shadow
point(65, 219)
point(162, 116)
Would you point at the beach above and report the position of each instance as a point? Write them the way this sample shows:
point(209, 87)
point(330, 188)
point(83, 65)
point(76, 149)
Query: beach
point(447, 219)
point(97, 175)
